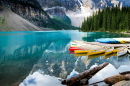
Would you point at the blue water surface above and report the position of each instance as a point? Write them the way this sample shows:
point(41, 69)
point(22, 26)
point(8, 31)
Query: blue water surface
point(41, 58)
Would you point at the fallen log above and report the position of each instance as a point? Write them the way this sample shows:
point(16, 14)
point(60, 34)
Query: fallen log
point(126, 72)
point(87, 74)
point(114, 79)
point(117, 78)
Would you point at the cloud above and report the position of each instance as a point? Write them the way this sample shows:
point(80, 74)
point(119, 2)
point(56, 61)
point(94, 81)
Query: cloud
point(78, 17)
point(123, 68)
point(37, 79)
point(104, 73)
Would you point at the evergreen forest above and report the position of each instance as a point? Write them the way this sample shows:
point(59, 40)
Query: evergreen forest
point(111, 19)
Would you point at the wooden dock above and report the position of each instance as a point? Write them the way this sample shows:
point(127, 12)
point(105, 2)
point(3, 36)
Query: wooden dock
point(109, 45)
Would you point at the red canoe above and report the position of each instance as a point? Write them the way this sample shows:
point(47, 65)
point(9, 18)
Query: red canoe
point(71, 52)
point(75, 48)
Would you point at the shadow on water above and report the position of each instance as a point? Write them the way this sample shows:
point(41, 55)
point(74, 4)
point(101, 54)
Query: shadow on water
point(20, 52)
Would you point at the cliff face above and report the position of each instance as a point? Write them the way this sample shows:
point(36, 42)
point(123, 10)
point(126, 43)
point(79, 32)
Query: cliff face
point(33, 12)
point(56, 11)
point(68, 4)
point(74, 5)
point(59, 8)
point(102, 3)
point(29, 10)
point(10, 21)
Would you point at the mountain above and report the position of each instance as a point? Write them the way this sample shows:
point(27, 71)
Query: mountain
point(76, 10)
point(75, 5)
point(10, 21)
point(28, 9)
point(31, 11)
point(67, 4)
point(58, 14)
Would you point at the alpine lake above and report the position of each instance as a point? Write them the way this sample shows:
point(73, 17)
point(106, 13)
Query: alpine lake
point(42, 58)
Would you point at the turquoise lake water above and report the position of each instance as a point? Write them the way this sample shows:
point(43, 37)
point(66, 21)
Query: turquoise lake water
point(42, 58)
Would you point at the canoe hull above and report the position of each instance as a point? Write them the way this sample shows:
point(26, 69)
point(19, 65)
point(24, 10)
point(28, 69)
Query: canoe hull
point(128, 49)
point(82, 51)
point(115, 50)
point(72, 49)
point(107, 53)
point(95, 53)
point(76, 55)
point(121, 53)
point(107, 40)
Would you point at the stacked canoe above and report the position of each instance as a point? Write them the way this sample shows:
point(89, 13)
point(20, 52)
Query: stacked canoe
point(82, 48)
point(113, 40)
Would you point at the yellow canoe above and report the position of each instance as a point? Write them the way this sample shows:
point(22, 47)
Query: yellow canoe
point(76, 55)
point(96, 52)
point(109, 55)
point(80, 41)
point(115, 50)
point(114, 54)
point(94, 56)
point(74, 46)
point(83, 51)
point(108, 52)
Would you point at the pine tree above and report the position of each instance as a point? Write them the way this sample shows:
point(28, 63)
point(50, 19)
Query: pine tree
point(109, 19)
point(104, 21)
point(113, 23)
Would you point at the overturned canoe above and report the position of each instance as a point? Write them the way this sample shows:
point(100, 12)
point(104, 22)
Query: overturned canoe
point(76, 41)
point(107, 40)
point(83, 51)
point(113, 40)
point(109, 55)
point(95, 56)
point(76, 55)
point(128, 49)
point(121, 57)
point(109, 51)
point(115, 50)
point(123, 40)
point(76, 48)
point(122, 52)
point(71, 52)
point(96, 52)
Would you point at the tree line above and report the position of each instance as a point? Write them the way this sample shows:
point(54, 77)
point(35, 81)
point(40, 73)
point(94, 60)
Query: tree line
point(112, 19)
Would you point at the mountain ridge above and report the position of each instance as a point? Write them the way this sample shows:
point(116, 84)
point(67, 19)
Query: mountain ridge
point(13, 22)
point(33, 13)
point(77, 10)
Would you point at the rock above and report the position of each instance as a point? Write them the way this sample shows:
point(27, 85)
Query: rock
point(122, 83)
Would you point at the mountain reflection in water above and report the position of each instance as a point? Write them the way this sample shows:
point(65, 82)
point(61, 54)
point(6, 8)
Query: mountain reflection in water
point(43, 59)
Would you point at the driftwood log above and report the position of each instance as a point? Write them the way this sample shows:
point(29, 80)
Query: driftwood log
point(116, 78)
point(87, 74)
point(126, 72)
